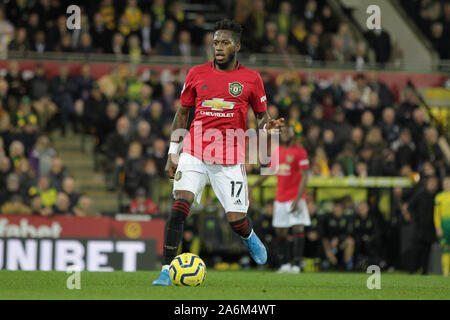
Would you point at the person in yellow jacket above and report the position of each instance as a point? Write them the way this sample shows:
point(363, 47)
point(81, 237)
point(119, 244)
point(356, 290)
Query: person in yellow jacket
point(442, 223)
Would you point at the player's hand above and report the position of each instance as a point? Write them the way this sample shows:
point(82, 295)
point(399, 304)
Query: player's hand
point(273, 126)
point(439, 232)
point(171, 166)
point(294, 207)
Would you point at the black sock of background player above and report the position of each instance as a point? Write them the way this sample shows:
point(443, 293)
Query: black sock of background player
point(174, 229)
point(298, 248)
point(282, 249)
point(242, 227)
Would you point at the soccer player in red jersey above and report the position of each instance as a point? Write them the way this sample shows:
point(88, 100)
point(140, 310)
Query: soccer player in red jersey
point(290, 209)
point(214, 150)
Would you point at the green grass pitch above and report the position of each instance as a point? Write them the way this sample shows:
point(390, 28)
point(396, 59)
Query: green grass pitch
point(223, 285)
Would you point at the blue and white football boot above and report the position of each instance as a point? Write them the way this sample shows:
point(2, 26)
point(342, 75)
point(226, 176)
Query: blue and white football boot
point(163, 280)
point(256, 247)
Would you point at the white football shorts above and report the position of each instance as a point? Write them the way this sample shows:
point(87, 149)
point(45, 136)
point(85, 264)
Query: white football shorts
point(282, 218)
point(229, 182)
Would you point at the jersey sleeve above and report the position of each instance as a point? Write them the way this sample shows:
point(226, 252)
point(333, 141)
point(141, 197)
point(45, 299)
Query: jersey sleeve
point(258, 98)
point(303, 160)
point(188, 93)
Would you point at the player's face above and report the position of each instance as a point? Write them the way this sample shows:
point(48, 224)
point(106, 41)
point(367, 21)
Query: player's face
point(225, 47)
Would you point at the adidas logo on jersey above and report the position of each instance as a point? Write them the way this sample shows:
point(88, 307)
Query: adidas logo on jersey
point(238, 201)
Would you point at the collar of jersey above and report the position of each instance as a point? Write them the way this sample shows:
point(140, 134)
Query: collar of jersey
point(238, 66)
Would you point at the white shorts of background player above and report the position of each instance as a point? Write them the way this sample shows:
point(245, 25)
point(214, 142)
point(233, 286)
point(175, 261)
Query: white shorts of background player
point(283, 219)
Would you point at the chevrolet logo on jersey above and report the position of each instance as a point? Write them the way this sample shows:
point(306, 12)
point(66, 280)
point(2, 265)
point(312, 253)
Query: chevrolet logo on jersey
point(284, 169)
point(217, 104)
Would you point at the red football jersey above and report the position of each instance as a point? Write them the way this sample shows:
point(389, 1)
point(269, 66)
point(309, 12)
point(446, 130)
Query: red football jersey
point(221, 99)
point(291, 161)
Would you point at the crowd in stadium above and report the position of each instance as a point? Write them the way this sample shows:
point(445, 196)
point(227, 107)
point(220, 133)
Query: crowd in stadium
point(359, 130)
point(140, 29)
point(433, 19)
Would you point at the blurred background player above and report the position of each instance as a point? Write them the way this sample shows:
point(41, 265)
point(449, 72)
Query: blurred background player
point(421, 208)
point(290, 209)
point(442, 223)
point(221, 92)
point(337, 240)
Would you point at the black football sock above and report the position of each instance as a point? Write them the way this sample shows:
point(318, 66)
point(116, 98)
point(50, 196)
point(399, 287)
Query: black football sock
point(242, 227)
point(174, 229)
point(282, 249)
point(298, 248)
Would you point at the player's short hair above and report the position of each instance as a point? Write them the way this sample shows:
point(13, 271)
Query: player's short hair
point(231, 25)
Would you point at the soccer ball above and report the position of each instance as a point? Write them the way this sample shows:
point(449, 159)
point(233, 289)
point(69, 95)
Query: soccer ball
point(187, 269)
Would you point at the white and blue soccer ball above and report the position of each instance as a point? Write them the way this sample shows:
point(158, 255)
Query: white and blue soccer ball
point(187, 269)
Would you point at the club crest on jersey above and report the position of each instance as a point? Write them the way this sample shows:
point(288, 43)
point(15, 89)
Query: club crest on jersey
point(217, 104)
point(178, 176)
point(235, 88)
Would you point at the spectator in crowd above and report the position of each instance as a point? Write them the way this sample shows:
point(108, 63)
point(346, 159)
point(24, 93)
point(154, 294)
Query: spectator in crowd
point(38, 208)
point(421, 209)
point(20, 41)
point(62, 205)
point(390, 128)
point(366, 232)
point(26, 174)
point(101, 36)
point(144, 137)
point(63, 89)
point(15, 205)
point(133, 168)
point(255, 25)
point(46, 192)
point(68, 187)
point(380, 40)
point(336, 231)
point(405, 149)
point(143, 204)
point(41, 156)
point(5, 169)
point(57, 173)
point(116, 151)
point(39, 86)
point(7, 31)
point(12, 189)
point(83, 207)
point(428, 148)
point(313, 245)
point(16, 152)
point(166, 45)
point(312, 48)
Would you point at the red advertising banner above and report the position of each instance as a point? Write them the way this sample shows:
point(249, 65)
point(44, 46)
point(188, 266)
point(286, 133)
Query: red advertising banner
point(78, 227)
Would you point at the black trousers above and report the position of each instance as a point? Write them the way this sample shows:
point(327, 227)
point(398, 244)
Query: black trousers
point(420, 255)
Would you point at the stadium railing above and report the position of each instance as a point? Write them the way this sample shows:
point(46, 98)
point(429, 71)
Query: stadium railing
point(251, 60)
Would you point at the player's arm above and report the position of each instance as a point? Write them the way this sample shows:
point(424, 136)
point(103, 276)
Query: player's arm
point(301, 189)
point(179, 125)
